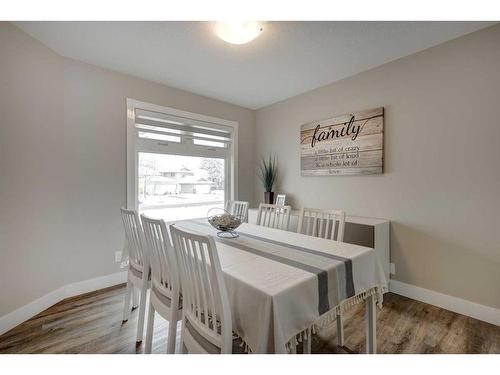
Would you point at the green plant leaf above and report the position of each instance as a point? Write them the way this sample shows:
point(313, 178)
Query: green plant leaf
point(268, 172)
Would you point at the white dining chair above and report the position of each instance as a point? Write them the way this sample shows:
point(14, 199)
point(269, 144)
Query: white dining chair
point(238, 208)
point(322, 223)
point(328, 224)
point(273, 216)
point(164, 296)
point(138, 267)
point(206, 313)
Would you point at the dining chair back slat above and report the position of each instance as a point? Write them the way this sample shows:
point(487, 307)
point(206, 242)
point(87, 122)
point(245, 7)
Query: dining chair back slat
point(134, 237)
point(328, 224)
point(165, 285)
point(163, 269)
point(238, 208)
point(274, 216)
point(206, 313)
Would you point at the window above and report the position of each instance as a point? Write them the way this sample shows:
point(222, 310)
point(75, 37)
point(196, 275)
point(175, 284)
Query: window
point(174, 187)
point(179, 164)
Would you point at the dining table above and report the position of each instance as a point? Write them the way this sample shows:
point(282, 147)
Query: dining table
point(283, 286)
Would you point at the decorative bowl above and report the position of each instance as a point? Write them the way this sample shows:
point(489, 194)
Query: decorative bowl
point(224, 222)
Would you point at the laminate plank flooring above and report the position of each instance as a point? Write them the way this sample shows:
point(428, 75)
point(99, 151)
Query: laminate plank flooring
point(92, 323)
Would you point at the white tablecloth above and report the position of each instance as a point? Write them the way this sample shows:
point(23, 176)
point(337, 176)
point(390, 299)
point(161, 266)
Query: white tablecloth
point(281, 284)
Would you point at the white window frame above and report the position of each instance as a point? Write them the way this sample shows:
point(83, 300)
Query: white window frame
point(134, 146)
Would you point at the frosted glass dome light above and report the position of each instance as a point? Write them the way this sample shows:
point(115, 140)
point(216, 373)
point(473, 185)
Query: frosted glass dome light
point(238, 32)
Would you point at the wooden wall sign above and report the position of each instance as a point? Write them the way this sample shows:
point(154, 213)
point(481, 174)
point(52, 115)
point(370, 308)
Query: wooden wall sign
point(351, 144)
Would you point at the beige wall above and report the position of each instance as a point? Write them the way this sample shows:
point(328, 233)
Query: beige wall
point(32, 246)
point(441, 183)
point(63, 164)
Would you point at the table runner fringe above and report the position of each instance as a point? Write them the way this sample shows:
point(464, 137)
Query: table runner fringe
point(245, 346)
point(331, 316)
point(327, 318)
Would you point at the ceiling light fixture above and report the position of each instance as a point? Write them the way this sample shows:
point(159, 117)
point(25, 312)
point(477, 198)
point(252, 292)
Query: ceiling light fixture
point(235, 32)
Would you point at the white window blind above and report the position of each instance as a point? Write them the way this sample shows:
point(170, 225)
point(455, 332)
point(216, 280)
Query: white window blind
point(156, 126)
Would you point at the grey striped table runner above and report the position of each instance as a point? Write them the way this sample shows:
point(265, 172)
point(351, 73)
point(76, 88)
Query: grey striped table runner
point(257, 245)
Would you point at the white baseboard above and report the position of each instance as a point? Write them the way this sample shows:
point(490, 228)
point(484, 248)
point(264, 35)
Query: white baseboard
point(16, 317)
point(474, 310)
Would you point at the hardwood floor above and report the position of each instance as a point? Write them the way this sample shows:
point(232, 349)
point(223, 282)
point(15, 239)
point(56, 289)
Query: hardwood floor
point(91, 323)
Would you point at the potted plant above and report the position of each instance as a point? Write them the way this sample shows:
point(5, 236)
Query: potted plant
point(268, 174)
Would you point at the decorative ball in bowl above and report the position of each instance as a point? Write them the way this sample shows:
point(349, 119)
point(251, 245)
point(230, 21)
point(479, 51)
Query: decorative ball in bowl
point(224, 222)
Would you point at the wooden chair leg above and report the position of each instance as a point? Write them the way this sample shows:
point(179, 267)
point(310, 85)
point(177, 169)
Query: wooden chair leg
point(149, 329)
point(340, 330)
point(126, 304)
point(371, 325)
point(182, 336)
point(135, 297)
point(142, 310)
point(172, 330)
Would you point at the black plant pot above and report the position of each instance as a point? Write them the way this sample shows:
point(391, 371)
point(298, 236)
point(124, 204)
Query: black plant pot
point(269, 197)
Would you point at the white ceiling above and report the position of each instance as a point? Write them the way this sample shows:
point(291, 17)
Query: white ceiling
point(287, 59)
